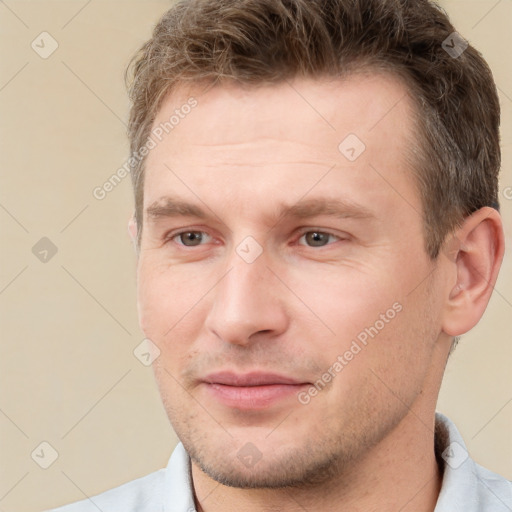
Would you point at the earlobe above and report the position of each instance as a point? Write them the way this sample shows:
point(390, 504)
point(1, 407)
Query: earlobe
point(475, 254)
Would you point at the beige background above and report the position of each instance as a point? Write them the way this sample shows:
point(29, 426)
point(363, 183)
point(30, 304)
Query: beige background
point(69, 326)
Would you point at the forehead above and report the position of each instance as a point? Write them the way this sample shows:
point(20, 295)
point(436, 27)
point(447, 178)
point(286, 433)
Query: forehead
point(253, 141)
point(359, 101)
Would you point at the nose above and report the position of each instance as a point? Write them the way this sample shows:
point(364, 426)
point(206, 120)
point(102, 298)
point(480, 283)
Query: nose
point(247, 304)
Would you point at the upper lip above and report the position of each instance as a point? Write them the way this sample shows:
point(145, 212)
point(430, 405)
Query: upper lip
point(249, 379)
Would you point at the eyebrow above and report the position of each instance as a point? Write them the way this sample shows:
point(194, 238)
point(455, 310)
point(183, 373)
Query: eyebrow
point(169, 206)
point(331, 207)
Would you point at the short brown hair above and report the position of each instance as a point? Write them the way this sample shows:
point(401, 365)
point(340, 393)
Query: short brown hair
point(257, 42)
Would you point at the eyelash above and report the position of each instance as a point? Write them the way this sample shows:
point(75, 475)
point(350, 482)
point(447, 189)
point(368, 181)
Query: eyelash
point(172, 236)
point(318, 231)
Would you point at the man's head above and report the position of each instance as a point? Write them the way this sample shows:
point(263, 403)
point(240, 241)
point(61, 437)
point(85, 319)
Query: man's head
point(456, 152)
point(291, 224)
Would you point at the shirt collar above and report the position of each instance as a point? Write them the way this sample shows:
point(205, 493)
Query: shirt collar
point(466, 486)
point(179, 495)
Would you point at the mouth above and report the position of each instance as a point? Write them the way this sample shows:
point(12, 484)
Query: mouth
point(251, 391)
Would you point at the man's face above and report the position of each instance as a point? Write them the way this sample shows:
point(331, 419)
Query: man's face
point(284, 278)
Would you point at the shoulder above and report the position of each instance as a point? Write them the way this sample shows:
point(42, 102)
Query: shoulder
point(140, 495)
point(156, 492)
point(494, 491)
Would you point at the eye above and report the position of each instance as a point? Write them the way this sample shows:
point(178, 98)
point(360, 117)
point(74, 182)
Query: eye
point(317, 238)
point(191, 238)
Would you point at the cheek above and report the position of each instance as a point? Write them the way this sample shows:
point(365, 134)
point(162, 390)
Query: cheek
point(167, 295)
point(380, 367)
point(166, 292)
point(347, 301)
point(172, 306)
point(370, 318)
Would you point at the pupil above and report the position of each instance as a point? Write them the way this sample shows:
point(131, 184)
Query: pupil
point(316, 239)
point(191, 238)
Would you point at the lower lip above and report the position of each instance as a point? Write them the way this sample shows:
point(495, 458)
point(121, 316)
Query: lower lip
point(253, 397)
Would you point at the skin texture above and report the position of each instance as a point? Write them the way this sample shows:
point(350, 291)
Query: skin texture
point(241, 156)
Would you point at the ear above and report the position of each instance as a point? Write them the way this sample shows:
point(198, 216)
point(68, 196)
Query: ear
point(475, 253)
point(132, 231)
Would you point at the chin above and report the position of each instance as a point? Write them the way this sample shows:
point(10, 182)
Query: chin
point(304, 467)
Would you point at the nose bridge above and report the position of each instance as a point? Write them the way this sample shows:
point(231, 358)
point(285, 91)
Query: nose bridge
point(243, 302)
point(245, 287)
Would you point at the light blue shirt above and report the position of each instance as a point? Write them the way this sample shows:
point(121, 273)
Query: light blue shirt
point(466, 486)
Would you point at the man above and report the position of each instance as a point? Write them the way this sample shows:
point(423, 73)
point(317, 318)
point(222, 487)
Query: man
point(316, 222)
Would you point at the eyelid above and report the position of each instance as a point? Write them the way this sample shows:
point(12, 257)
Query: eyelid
point(312, 229)
point(171, 235)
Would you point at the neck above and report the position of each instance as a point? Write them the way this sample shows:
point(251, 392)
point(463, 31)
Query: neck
point(398, 474)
